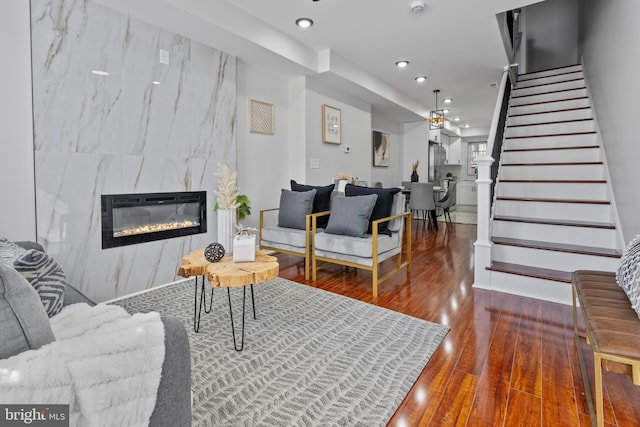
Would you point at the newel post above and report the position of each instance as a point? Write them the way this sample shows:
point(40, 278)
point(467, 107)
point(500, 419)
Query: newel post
point(482, 251)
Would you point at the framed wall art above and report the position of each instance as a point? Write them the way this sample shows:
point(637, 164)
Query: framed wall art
point(331, 124)
point(261, 117)
point(381, 149)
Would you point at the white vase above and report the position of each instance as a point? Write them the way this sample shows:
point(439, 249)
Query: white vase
point(226, 228)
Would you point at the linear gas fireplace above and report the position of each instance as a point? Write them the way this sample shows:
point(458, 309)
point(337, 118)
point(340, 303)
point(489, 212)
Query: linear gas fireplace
point(128, 219)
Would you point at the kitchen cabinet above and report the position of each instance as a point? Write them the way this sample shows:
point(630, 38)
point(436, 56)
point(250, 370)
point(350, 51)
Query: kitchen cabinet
point(453, 149)
point(467, 193)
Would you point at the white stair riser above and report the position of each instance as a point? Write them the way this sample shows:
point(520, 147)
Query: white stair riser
point(551, 141)
point(531, 287)
point(551, 79)
point(549, 106)
point(558, 85)
point(583, 113)
point(561, 211)
point(555, 96)
point(598, 237)
point(587, 191)
point(554, 260)
point(545, 73)
point(551, 128)
point(563, 172)
point(536, 156)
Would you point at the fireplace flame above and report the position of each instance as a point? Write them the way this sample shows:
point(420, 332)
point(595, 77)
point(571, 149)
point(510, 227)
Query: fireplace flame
point(153, 228)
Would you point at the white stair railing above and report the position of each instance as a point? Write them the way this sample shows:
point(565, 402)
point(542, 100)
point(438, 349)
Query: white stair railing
point(483, 244)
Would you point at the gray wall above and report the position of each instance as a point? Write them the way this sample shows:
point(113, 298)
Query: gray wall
point(551, 38)
point(609, 44)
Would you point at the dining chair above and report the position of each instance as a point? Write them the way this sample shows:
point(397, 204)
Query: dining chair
point(406, 190)
point(422, 200)
point(448, 200)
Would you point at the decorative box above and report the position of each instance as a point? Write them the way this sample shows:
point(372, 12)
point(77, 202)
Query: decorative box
point(244, 248)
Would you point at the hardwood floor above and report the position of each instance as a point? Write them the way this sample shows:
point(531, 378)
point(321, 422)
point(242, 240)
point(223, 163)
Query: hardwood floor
point(507, 360)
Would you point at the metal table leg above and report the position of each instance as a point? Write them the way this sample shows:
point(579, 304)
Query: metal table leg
point(233, 330)
point(197, 307)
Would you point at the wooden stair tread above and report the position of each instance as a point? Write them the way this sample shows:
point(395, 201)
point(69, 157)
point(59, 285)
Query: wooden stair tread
point(547, 84)
point(558, 247)
point(520, 79)
point(575, 147)
point(549, 111)
point(551, 123)
point(533, 199)
point(577, 98)
point(535, 272)
point(553, 164)
point(591, 132)
point(586, 224)
point(547, 93)
point(557, 181)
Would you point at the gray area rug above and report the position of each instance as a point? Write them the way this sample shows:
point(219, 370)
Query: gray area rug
point(311, 358)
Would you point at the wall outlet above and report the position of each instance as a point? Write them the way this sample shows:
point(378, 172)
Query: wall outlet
point(347, 149)
point(314, 164)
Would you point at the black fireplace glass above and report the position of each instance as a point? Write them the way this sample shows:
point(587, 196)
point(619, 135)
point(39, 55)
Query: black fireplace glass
point(135, 218)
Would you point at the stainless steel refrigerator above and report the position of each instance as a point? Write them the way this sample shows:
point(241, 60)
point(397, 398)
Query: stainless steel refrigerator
point(437, 157)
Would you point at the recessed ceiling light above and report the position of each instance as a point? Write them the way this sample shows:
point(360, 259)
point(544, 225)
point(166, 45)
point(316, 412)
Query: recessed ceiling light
point(456, 119)
point(420, 79)
point(447, 100)
point(100, 72)
point(445, 111)
point(416, 6)
point(155, 82)
point(467, 125)
point(403, 63)
point(304, 22)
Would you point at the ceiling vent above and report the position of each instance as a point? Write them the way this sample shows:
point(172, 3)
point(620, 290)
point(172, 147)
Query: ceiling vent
point(416, 6)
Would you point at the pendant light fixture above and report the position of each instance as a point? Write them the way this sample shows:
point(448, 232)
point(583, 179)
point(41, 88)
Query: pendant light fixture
point(436, 117)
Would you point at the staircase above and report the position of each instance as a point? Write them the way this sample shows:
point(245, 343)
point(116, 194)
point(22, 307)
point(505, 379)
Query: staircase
point(552, 212)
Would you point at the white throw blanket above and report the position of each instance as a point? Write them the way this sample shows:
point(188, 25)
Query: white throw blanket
point(104, 363)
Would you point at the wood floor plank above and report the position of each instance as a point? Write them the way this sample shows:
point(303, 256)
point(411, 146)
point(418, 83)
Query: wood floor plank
point(527, 363)
point(523, 410)
point(488, 331)
point(490, 403)
point(621, 390)
point(459, 396)
point(559, 401)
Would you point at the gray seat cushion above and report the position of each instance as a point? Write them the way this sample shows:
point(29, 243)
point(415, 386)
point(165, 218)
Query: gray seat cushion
point(292, 237)
point(355, 246)
point(25, 325)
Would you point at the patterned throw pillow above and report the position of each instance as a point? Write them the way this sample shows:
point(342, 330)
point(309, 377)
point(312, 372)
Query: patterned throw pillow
point(46, 276)
point(628, 273)
point(9, 251)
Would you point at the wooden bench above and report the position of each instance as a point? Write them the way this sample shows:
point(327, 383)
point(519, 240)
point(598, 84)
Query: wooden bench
point(612, 329)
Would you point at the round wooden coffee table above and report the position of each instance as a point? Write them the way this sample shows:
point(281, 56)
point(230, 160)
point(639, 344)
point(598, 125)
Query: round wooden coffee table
point(227, 274)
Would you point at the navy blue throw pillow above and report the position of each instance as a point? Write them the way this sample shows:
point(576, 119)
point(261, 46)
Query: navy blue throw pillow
point(382, 209)
point(322, 201)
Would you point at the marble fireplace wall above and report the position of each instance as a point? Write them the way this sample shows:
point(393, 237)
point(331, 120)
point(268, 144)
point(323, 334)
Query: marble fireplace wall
point(122, 133)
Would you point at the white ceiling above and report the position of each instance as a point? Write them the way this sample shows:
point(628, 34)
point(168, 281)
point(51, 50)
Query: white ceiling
point(354, 45)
